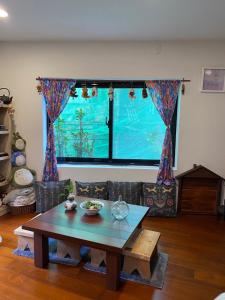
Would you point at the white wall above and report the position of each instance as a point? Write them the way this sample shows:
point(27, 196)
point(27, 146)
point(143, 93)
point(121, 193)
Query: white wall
point(202, 115)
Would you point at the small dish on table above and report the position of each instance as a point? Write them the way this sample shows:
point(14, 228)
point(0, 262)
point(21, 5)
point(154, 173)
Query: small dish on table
point(91, 207)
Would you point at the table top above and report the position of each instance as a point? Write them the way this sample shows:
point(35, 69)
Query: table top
point(102, 230)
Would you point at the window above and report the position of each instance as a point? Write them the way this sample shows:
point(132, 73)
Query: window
point(122, 131)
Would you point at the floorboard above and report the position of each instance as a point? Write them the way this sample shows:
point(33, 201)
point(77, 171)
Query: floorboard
point(196, 269)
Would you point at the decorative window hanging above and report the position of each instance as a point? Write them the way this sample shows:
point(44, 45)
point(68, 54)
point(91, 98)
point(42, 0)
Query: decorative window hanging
point(144, 93)
point(39, 89)
point(85, 92)
point(94, 92)
point(73, 92)
point(111, 93)
point(132, 94)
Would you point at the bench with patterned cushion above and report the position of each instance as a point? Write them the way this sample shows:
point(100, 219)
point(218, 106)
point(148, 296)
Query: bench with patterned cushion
point(160, 198)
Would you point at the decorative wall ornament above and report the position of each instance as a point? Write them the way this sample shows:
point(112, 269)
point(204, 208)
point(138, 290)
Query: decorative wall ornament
point(18, 143)
point(22, 177)
point(18, 159)
point(213, 80)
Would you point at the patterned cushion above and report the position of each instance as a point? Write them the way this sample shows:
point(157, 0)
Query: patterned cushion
point(92, 189)
point(160, 198)
point(50, 194)
point(130, 191)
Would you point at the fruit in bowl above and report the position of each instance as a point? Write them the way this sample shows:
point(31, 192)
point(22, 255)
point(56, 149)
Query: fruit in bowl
point(92, 207)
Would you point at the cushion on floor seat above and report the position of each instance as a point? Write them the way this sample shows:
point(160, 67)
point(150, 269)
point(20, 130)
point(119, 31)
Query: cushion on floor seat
point(97, 190)
point(130, 191)
point(50, 194)
point(160, 198)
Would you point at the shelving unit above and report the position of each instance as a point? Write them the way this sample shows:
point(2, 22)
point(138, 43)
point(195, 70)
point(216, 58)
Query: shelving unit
point(4, 157)
point(3, 183)
point(5, 146)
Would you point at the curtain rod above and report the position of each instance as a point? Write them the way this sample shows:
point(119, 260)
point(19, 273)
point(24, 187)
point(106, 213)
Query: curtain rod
point(107, 80)
point(60, 79)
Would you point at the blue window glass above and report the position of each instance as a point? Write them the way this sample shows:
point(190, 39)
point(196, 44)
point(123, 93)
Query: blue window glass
point(80, 130)
point(138, 130)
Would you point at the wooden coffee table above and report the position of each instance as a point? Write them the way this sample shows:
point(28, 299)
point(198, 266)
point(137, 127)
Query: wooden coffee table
point(101, 231)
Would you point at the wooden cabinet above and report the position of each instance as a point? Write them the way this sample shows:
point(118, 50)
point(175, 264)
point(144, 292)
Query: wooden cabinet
point(199, 191)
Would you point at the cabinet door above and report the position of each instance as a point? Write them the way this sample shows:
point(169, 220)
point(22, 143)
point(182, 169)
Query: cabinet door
point(199, 200)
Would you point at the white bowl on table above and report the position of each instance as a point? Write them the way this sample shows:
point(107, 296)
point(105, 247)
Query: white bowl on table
point(91, 211)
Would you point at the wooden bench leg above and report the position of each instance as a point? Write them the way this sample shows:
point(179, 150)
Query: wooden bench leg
point(40, 250)
point(97, 257)
point(25, 242)
point(113, 263)
point(143, 267)
point(128, 265)
point(67, 248)
point(154, 259)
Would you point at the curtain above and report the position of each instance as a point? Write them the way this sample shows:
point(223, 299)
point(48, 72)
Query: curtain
point(164, 94)
point(56, 95)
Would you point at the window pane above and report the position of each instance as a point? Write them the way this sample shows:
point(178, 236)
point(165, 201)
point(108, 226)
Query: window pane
point(80, 130)
point(138, 130)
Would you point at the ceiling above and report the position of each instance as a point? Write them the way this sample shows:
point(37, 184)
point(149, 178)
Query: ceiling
point(110, 20)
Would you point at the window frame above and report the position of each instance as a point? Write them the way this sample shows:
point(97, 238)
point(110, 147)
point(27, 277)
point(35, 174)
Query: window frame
point(110, 160)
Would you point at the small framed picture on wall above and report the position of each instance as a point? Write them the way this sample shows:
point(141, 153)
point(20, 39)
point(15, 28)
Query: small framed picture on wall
point(213, 80)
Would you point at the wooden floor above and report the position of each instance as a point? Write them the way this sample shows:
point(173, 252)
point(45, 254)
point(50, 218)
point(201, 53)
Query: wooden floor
point(196, 270)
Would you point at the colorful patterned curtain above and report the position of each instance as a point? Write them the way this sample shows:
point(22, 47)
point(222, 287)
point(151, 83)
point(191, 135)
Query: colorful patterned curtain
point(56, 95)
point(164, 95)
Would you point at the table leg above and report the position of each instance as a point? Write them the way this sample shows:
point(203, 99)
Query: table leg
point(139, 225)
point(113, 263)
point(40, 250)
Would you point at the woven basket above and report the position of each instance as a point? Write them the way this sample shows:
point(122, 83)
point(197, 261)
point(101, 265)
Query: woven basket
point(20, 210)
